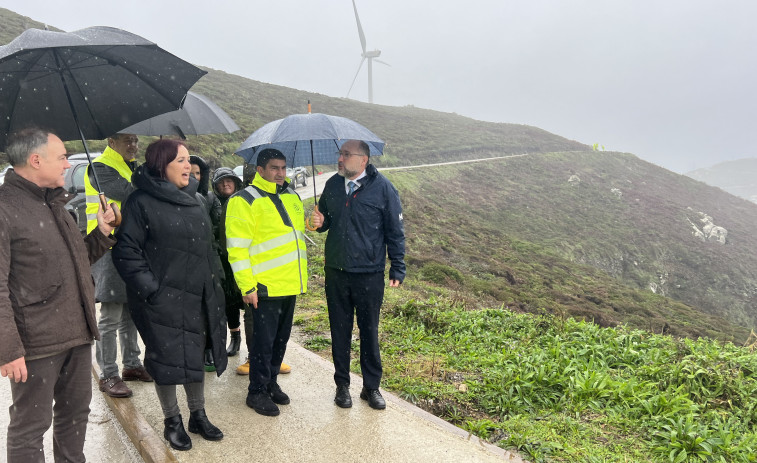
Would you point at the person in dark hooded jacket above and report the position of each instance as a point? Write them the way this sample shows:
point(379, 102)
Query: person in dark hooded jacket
point(201, 172)
point(225, 184)
point(165, 256)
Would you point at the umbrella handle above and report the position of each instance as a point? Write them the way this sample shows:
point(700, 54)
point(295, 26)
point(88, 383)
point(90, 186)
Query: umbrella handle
point(307, 221)
point(116, 211)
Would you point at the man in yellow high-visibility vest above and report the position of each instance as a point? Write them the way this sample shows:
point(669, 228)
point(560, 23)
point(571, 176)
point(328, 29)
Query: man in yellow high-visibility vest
point(114, 167)
point(265, 239)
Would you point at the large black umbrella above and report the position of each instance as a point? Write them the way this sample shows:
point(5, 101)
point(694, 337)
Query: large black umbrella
point(198, 116)
point(87, 84)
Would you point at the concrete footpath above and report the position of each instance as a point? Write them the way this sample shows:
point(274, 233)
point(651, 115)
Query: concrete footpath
point(312, 428)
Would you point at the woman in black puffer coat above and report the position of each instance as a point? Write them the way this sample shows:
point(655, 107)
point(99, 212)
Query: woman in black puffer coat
point(165, 255)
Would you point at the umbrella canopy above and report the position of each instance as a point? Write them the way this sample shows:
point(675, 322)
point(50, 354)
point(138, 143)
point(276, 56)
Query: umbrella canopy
point(89, 83)
point(308, 139)
point(198, 116)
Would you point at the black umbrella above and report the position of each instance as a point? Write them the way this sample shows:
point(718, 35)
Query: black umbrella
point(198, 116)
point(87, 84)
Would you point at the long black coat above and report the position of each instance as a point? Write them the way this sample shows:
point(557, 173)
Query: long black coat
point(164, 254)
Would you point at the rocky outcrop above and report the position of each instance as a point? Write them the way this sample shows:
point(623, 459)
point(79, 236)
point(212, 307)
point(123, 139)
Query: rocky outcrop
point(708, 231)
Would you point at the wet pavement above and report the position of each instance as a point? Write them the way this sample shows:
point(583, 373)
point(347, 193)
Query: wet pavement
point(312, 428)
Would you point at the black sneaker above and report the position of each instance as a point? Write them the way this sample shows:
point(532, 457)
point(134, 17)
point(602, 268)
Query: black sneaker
point(261, 402)
point(342, 398)
point(277, 395)
point(373, 396)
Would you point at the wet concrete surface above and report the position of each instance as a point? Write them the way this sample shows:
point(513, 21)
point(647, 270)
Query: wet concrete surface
point(312, 428)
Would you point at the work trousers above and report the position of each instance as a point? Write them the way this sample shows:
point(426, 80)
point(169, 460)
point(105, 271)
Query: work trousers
point(267, 331)
point(170, 404)
point(115, 316)
point(349, 294)
point(65, 379)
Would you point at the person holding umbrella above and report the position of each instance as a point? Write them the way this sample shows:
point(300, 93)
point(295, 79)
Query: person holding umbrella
point(265, 238)
point(114, 168)
point(47, 301)
point(361, 210)
point(165, 255)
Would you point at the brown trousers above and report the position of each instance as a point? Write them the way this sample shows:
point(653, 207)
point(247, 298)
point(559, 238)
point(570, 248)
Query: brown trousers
point(66, 379)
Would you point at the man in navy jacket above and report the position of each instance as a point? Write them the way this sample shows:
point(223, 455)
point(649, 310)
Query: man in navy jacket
point(361, 210)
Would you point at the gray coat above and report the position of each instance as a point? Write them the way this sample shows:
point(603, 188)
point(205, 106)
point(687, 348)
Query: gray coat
point(109, 286)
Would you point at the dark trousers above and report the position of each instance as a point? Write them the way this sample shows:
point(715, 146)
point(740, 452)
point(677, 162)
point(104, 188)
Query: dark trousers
point(267, 331)
point(232, 317)
point(64, 378)
point(349, 294)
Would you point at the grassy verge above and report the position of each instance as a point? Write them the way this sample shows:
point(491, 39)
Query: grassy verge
point(552, 387)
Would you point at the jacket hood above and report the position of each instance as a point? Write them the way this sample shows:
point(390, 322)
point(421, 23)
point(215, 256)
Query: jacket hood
point(222, 173)
point(163, 189)
point(204, 174)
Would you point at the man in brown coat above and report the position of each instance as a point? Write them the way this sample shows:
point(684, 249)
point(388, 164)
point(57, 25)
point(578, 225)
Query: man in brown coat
point(47, 303)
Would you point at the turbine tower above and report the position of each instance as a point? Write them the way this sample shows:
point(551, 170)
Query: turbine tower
point(369, 55)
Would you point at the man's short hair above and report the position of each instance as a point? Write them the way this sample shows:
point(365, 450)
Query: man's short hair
point(365, 148)
point(268, 154)
point(23, 143)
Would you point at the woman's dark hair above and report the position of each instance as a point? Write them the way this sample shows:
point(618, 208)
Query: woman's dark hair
point(160, 153)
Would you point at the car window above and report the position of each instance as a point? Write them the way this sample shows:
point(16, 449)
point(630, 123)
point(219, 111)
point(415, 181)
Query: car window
point(78, 177)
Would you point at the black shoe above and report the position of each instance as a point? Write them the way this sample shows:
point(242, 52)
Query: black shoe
point(342, 398)
point(277, 395)
point(210, 365)
point(199, 424)
point(175, 434)
point(262, 403)
point(373, 396)
point(234, 343)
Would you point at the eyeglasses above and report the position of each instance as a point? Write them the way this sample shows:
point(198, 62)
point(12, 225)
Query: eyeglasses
point(347, 154)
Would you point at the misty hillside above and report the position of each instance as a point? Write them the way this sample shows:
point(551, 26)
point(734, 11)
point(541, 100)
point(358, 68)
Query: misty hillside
point(602, 236)
point(534, 222)
point(736, 177)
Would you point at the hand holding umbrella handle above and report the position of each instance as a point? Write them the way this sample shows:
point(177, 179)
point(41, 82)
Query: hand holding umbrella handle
point(317, 220)
point(116, 211)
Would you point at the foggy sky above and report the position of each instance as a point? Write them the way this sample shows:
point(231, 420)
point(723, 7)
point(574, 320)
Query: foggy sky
point(670, 81)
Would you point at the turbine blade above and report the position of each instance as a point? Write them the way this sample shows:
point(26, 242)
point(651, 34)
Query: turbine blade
point(359, 27)
point(355, 78)
point(382, 62)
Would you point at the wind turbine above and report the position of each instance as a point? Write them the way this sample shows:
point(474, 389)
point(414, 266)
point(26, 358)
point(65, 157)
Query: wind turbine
point(369, 55)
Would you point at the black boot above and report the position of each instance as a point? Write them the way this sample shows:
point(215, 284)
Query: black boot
point(199, 424)
point(175, 433)
point(209, 363)
point(234, 343)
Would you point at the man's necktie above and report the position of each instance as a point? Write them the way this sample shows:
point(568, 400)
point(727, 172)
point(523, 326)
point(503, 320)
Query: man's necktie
point(352, 186)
